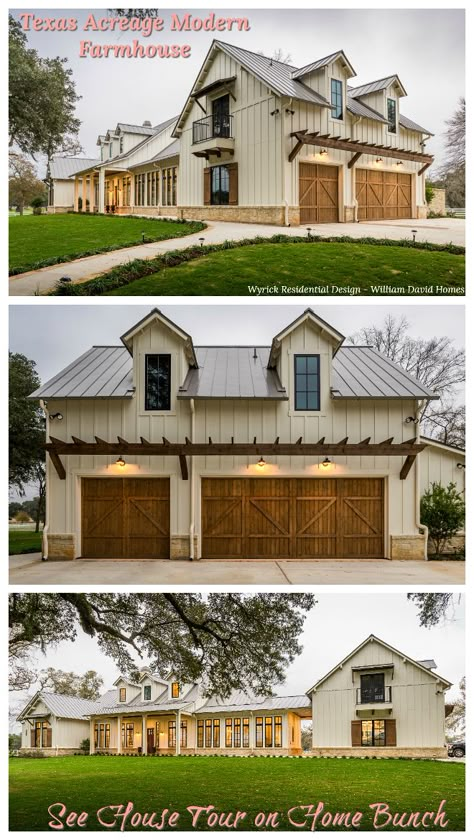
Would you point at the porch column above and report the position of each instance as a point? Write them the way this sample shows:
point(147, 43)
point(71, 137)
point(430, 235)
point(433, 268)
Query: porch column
point(84, 192)
point(144, 744)
point(76, 194)
point(91, 728)
point(178, 733)
point(119, 734)
point(101, 190)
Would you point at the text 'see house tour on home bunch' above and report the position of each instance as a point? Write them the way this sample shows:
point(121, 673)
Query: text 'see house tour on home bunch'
point(237, 503)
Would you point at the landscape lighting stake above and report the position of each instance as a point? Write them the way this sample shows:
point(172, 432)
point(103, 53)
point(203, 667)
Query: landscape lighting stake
point(143, 236)
point(309, 232)
point(414, 232)
point(201, 240)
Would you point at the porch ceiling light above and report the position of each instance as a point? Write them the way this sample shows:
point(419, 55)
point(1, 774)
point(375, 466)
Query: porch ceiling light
point(120, 462)
point(262, 463)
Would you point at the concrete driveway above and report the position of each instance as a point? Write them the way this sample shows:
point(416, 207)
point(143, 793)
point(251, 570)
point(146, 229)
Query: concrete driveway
point(29, 569)
point(42, 281)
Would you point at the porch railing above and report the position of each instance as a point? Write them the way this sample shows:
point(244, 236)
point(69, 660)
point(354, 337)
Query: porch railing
point(215, 125)
point(374, 695)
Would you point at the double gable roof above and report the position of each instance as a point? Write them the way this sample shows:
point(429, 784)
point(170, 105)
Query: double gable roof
point(234, 372)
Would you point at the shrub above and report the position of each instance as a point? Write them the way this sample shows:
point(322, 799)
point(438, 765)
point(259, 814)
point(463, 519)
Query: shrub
point(85, 745)
point(442, 510)
point(429, 192)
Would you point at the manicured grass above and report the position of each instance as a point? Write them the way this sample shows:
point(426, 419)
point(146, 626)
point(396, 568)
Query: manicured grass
point(24, 542)
point(49, 239)
point(252, 785)
point(336, 265)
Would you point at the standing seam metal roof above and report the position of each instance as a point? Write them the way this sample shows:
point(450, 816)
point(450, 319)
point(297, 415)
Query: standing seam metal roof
point(100, 372)
point(363, 372)
point(65, 706)
point(232, 372)
point(64, 167)
point(373, 87)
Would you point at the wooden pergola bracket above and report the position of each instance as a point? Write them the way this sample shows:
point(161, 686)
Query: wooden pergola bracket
point(359, 147)
point(354, 160)
point(122, 448)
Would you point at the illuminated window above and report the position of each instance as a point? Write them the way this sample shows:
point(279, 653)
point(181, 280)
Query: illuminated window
point(245, 732)
point(216, 735)
point(130, 735)
point(184, 733)
point(200, 735)
point(228, 732)
point(237, 732)
point(122, 695)
point(259, 732)
point(175, 690)
point(171, 733)
point(269, 732)
point(208, 733)
point(278, 731)
point(373, 733)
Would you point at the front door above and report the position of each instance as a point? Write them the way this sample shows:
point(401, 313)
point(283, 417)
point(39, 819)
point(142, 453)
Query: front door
point(150, 741)
point(372, 688)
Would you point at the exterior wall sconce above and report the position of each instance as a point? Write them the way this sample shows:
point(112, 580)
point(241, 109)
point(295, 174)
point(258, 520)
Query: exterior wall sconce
point(262, 463)
point(399, 163)
point(378, 160)
point(326, 463)
point(120, 462)
point(323, 153)
point(409, 420)
point(276, 111)
point(461, 466)
point(57, 416)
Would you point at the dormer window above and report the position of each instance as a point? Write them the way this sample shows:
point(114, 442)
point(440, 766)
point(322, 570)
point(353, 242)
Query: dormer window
point(392, 115)
point(336, 99)
point(147, 692)
point(307, 383)
point(158, 382)
point(121, 145)
point(175, 690)
point(122, 695)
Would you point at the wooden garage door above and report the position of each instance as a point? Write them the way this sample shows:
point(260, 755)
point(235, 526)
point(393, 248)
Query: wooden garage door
point(318, 193)
point(125, 517)
point(383, 195)
point(293, 517)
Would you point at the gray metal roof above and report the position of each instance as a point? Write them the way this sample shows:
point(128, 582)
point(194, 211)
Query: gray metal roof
point(322, 62)
point(430, 664)
point(233, 373)
point(360, 109)
point(129, 128)
point(100, 372)
point(64, 167)
point(413, 126)
point(364, 373)
point(141, 706)
point(239, 700)
point(170, 151)
point(373, 87)
point(276, 74)
point(64, 706)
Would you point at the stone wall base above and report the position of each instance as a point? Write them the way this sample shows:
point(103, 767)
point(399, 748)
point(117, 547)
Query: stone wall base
point(61, 547)
point(422, 212)
point(349, 214)
point(59, 209)
point(51, 752)
point(407, 547)
point(258, 215)
point(168, 212)
point(180, 547)
point(210, 751)
point(380, 752)
point(438, 202)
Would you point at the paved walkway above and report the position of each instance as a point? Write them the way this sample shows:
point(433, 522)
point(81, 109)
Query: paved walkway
point(28, 569)
point(439, 231)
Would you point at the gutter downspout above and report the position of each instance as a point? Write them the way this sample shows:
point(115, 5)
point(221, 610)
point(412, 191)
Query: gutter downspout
point(191, 475)
point(353, 177)
point(44, 544)
point(286, 206)
point(423, 528)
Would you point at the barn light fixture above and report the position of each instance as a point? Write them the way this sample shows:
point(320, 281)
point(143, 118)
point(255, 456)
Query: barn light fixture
point(378, 160)
point(399, 163)
point(409, 420)
point(276, 111)
point(262, 463)
point(326, 463)
point(323, 153)
point(120, 462)
point(57, 416)
point(461, 466)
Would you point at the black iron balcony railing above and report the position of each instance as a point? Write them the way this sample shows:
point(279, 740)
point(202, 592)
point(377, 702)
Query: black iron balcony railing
point(215, 125)
point(374, 695)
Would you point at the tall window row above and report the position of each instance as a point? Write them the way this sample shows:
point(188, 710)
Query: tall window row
point(158, 188)
point(268, 732)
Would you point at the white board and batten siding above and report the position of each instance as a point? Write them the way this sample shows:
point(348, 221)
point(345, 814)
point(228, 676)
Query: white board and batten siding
point(417, 698)
point(440, 464)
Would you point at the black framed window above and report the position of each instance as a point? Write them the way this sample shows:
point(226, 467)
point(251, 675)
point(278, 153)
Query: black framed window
point(171, 733)
point(158, 382)
point(96, 736)
point(216, 735)
point(175, 690)
point(228, 732)
point(245, 732)
point(107, 735)
point(336, 99)
point(269, 732)
point(184, 733)
point(392, 115)
point(278, 732)
point(130, 735)
point(208, 732)
point(122, 695)
point(200, 733)
point(373, 733)
point(220, 116)
point(147, 692)
point(220, 185)
point(259, 732)
point(237, 732)
point(307, 383)
point(372, 688)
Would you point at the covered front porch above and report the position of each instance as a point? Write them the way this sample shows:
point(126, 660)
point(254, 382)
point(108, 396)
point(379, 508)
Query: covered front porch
point(148, 733)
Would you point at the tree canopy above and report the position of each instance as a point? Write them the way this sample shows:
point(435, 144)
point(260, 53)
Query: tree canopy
point(87, 685)
point(23, 185)
point(229, 641)
point(26, 424)
point(433, 607)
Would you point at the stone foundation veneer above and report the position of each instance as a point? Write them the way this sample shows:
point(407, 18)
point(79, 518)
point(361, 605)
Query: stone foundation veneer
point(379, 752)
point(257, 215)
point(61, 547)
point(407, 547)
point(422, 212)
point(52, 752)
point(180, 547)
point(349, 214)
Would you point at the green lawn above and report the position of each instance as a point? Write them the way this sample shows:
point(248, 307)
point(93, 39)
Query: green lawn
point(23, 542)
point(58, 238)
point(275, 265)
point(252, 785)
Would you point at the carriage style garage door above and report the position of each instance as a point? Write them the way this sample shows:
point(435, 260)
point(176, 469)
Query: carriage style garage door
point(318, 193)
point(383, 195)
point(292, 517)
point(126, 517)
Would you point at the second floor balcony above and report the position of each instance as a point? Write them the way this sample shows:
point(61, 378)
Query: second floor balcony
point(374, 696)
point(213, 134)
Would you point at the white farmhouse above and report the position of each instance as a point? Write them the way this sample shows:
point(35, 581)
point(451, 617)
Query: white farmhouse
point(308, 448)
point(258, 140)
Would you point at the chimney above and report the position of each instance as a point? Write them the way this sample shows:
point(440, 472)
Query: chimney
point(147, 124)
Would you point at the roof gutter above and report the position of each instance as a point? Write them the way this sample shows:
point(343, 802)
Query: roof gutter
point(44, 540)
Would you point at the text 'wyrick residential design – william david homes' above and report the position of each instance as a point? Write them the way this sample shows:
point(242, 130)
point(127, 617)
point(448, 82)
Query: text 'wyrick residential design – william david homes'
point(376, 702)
point(308, 448)
point(261, 141)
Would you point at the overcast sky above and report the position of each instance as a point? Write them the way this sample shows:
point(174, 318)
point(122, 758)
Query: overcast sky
point(336, 625)
point(54, 335)
point(425, 47)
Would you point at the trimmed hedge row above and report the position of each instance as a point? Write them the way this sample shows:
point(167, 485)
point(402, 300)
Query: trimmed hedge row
point(195, 227)
point(126, 273)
